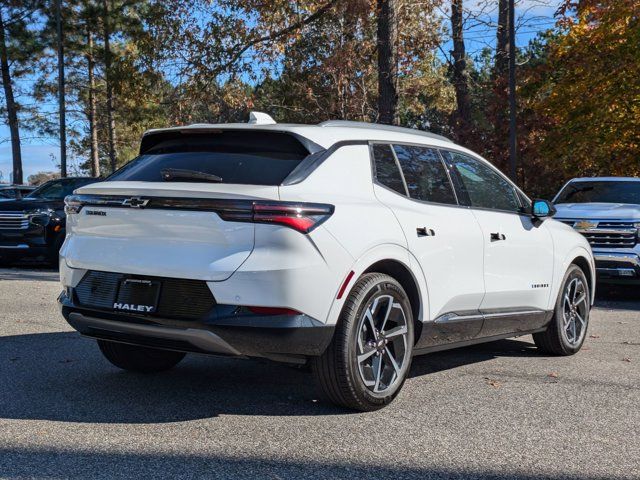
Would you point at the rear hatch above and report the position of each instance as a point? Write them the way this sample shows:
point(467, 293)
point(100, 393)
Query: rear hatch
point(170, 212)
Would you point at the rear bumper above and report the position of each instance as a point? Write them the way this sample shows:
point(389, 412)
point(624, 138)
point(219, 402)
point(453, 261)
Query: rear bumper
point(289, 338)
point(617, 267)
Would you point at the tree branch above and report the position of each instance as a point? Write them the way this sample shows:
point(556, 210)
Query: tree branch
point(277, 34)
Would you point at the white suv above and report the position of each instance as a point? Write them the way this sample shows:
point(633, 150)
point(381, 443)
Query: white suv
point(348, 246)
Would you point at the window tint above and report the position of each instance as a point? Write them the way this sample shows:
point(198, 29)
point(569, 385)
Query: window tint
point(8, 193)
point(524, 201)
point(484, 187)
point(58, 189)
point(425, 174)
point(600, 191)
point(240, 157)
point(387, 172)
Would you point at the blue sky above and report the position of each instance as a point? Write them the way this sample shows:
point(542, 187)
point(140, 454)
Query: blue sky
point(534, 16)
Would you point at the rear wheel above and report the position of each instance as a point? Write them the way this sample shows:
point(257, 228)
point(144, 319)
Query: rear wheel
point(139, 359)
point(369, 357)
point(568, 328)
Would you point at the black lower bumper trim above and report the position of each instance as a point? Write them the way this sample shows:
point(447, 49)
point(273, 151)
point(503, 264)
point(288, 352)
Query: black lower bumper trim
point(276, 337)
point(203, 340)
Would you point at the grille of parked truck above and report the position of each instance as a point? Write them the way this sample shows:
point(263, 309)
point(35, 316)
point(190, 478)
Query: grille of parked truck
point(606, 210)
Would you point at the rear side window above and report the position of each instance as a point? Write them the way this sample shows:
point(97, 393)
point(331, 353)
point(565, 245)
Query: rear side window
point(9, 193)
point(425, 174)
point(484, 187)
point(239, 157)
point(387, 172)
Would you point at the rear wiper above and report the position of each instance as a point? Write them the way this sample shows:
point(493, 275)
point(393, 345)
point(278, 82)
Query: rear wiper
point(170, 174)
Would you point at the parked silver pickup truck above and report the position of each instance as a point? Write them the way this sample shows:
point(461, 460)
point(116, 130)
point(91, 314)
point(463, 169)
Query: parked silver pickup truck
point(606, 210)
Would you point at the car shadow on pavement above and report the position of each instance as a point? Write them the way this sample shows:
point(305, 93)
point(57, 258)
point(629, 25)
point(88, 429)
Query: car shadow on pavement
point(63, 377)
point(44, 275)
point(28, 270)
point(81, 464)
point(622, 297)
point(447, 360)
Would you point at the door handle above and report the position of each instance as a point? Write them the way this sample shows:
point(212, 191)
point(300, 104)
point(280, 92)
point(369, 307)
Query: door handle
point(497, 236)
point(425, 232)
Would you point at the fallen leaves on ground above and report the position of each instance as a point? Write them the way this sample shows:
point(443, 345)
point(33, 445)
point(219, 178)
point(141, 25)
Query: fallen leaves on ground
point(494, 383)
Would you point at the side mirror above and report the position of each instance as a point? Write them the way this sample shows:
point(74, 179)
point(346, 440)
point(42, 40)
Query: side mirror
point(542, 209)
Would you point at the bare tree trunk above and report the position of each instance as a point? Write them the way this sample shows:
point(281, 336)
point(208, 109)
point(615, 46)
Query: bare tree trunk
point(500, 102)
point(61, 92)
point(460, 83)
point(12, 109)
point(111, 122)
point(502, 34)
point(93, 132)
point(513, 143)
point(387, 61)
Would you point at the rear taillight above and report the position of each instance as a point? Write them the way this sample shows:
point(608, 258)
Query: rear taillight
point(72, 205)
point(303, 217)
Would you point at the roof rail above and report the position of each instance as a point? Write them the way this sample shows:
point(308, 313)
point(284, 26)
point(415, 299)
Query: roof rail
point(378, 126)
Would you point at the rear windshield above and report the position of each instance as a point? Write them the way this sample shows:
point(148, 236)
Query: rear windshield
point(600, 192)
point(240, 157)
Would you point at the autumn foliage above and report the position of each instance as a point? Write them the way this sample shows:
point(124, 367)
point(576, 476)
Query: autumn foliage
point(582, 103)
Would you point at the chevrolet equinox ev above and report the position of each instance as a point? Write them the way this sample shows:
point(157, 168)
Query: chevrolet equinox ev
point(347, 246)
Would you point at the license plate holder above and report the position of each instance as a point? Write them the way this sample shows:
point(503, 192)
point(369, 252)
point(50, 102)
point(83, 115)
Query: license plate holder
point(137, 295)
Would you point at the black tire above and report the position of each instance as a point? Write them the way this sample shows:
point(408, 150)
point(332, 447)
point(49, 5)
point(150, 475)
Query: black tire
point(139, 359)
point(337, 371)
point(555, 340)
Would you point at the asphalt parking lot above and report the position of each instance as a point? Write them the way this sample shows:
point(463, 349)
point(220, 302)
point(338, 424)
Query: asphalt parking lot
point(499, 410)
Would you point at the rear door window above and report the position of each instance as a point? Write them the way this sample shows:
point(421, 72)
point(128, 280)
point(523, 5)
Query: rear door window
point(387, 172)
point(425, 174)
point(238, 157)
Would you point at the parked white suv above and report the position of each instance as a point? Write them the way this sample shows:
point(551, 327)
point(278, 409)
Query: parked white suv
point(350, 246)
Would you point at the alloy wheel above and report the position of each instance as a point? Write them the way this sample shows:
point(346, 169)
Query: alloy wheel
point(382, 348)
point(575, 311)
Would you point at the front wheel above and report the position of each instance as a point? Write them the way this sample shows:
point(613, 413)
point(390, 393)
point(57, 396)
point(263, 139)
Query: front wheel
point(568, 328)
point(139, 359)
point(369, 357)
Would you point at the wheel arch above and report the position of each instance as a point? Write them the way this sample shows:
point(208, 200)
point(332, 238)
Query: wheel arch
point(581, 257)
point(397, 262)
point(405, 278)
point(585, 266)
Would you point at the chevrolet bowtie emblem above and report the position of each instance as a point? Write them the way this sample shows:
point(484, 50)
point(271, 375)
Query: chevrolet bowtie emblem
point(135, 202)
point(585, 225)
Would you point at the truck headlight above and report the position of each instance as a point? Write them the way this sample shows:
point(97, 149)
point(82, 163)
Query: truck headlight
point(42, 216)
